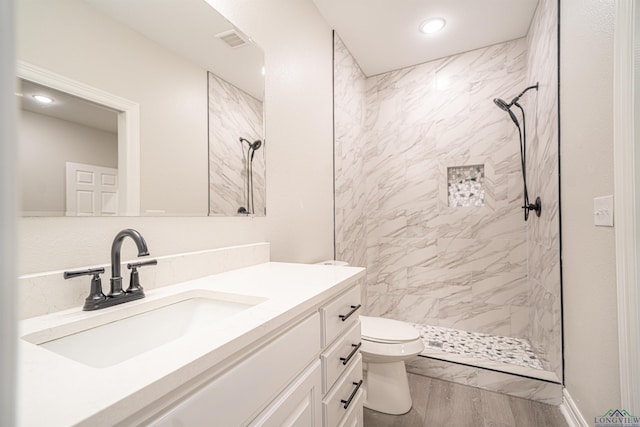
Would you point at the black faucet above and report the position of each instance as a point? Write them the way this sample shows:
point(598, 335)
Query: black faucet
point(116, 279)
point(96, 299)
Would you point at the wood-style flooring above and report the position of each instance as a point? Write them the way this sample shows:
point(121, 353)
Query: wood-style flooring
point(438, 403)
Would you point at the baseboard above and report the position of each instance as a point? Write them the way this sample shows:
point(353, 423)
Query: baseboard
point(571, 412)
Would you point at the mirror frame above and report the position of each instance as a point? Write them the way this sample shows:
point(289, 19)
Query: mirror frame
point(128, 129)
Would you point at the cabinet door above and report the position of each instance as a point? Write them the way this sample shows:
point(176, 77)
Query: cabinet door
point(298, 405)
point(235, 396)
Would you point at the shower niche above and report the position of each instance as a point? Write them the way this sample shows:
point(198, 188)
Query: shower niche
point(465, 186)
point(432, 206)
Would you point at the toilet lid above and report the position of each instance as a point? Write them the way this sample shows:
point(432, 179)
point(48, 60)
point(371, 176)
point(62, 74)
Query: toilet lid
point(383, 330)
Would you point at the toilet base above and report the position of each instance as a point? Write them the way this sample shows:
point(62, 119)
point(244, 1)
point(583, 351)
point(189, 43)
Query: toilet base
point(387, 388)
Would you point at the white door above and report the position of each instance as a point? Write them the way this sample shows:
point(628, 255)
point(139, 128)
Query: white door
point(91, 190)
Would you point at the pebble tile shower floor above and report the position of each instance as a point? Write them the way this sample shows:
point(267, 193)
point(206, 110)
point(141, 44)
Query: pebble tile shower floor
point(478, 345)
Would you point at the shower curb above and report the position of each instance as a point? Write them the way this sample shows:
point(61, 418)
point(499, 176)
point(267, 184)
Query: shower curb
point(488, 379)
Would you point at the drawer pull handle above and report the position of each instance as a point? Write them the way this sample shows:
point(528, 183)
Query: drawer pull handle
point(345, 360)
point(354, 308)
point(353, 394)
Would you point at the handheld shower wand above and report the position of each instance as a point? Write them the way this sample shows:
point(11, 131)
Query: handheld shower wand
point(251, 151)
point(537, 206)
point(506, 107)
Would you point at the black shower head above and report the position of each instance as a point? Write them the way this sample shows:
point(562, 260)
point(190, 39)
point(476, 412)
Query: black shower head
point(501, 103)
point(252, 145)
point(506, 107)
point(256, 144)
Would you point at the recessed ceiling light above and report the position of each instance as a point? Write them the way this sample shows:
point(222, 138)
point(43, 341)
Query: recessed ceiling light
point(432, 25)
point(43, 99)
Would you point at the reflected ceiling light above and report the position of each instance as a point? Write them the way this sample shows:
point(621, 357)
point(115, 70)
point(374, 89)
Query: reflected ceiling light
point(432, 25)
point(43, 99)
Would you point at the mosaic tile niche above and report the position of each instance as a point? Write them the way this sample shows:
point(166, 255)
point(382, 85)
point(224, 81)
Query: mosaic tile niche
point(465, 186)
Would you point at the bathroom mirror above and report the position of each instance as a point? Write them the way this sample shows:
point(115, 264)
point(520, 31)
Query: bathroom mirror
point(165, 58)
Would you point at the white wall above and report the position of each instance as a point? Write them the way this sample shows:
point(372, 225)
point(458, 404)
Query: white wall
point(46, 144)
point(298, 51)
point(72, 39)
point(298, 119)
point(589, 282)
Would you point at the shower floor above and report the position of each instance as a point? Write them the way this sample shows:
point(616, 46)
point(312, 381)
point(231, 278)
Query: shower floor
point(484, 350)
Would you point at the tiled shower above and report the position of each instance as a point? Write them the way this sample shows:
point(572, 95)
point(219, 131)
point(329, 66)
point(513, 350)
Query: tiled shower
point(428, 196)
point(231, 109)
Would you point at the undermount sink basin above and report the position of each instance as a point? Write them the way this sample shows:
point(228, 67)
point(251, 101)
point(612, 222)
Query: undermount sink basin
point(105, 340)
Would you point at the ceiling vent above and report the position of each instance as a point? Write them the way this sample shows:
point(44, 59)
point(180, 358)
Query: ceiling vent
point(233, 38)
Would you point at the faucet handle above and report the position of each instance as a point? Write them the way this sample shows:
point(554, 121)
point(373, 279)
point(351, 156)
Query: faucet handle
point(134, 281)
point(141, 263)
point(95, 294)
point(87, 272)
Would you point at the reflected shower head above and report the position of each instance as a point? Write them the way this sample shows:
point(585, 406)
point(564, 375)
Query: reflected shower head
point(506, 107)
point(252, 145)
point(256, 144)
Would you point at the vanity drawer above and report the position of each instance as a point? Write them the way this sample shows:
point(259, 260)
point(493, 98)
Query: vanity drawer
point(344, 393)
point(355, 414)
point(340, 314)
point(339, 357)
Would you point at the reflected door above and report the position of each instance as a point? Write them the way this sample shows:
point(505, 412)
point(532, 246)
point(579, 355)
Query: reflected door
point(91, 190)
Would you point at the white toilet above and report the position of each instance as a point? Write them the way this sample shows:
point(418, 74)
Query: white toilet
point(386, 344)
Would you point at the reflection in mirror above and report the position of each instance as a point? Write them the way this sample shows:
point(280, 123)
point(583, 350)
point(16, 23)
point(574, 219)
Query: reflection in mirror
point(236, 151)
point(71, 147)
point(161, 56)
point(235, 91)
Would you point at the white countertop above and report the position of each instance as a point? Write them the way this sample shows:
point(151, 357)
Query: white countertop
point(57, 391)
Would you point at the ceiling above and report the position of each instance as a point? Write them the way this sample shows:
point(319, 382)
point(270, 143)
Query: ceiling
point(383, 35)
point(67, 107)
point(189, 28)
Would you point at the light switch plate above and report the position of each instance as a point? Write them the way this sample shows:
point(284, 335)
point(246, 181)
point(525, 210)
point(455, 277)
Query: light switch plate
point(603, 211)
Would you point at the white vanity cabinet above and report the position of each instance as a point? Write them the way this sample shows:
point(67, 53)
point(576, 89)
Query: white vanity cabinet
point(286, 355)
point(308, 375)
point(341, 361)
point(328, 393)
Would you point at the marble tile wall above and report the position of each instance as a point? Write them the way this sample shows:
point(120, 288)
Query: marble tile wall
point(542, 170)
point(458, 267)
point(233, 114)
point(350, 141)
point(477, 268)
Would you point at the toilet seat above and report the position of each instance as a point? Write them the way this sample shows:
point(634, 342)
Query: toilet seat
point(387, 331)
